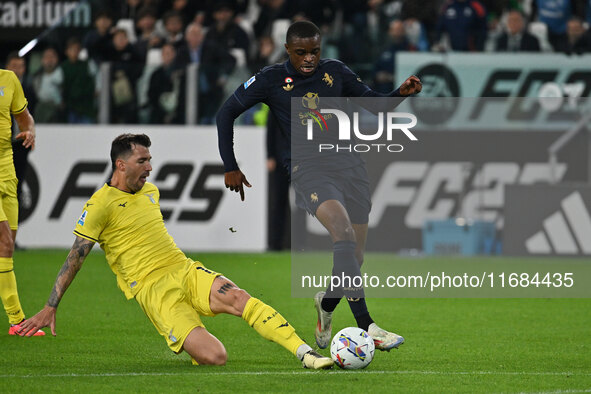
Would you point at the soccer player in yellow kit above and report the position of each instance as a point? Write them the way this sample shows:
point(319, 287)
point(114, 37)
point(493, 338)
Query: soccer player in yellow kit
point(12, 102)
point(124, 218)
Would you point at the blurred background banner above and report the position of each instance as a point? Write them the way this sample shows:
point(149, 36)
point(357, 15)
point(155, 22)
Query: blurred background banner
point(483, 75)
point(522, 92)
point(445, 192)
point(71, 163)
point(548, 220)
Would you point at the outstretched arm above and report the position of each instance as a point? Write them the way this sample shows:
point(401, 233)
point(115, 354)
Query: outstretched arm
point(46, 317)
point(234, 179)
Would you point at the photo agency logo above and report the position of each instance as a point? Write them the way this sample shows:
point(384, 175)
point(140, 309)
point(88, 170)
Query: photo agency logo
point(337, 130)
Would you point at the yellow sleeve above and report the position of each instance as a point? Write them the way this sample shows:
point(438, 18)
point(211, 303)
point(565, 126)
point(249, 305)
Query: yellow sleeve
point(19, 101)
point(92, 221)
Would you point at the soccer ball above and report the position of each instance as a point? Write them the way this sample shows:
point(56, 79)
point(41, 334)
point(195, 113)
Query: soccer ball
point(352, 348)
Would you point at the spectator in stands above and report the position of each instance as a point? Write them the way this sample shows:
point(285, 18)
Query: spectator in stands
point(579, 39)
point(147, 37)
point(320, 12)
point(166, 98)
point(555, 14)
point(515, 38)
point(384, 67)
point(225, 32)
point(186, 9)
point(191, 51)
point(98, 40)
point(126, 68)
point(48, 85)
point(173, 28)
point(464, 24)
point(215, 64)
point(20, 154)
point(270, 11)
point(263, 57)
point(353, 42)
point(425, 12)
point(79, 82)
point(129, 9)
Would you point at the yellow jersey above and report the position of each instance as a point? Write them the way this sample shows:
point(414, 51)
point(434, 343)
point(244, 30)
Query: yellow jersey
point(12, 102)
point(130, 229)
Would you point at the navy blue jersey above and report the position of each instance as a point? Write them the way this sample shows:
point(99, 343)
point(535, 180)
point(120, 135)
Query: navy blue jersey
point(275, 86)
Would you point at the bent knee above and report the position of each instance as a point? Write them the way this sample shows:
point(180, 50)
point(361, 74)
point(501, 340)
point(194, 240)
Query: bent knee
point(219, 357)
point(344, 233)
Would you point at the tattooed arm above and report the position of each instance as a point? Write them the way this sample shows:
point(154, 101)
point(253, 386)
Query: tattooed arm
point(46, 317)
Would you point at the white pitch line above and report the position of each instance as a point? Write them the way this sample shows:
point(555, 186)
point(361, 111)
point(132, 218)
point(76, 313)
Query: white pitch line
point(561, 391)
point(264, 373)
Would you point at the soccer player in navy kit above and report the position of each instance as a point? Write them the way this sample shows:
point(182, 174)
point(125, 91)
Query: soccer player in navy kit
point(334, 188)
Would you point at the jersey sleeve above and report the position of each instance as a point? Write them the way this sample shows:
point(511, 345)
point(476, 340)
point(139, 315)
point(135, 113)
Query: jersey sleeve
point(252, 91)
point(19, 101)
point(248, 94)
point(353, 86)
point(92, 221)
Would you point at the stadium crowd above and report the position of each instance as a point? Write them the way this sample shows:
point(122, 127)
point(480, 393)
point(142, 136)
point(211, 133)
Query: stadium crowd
point(150, 43)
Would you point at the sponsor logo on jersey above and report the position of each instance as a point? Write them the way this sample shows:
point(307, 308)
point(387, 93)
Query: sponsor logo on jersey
point(151, 197)
point(249, 82)
point(310, 100)
point(2, 90)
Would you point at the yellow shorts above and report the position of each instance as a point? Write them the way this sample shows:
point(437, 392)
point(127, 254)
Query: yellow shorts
point(9, 203)
point(175, 301)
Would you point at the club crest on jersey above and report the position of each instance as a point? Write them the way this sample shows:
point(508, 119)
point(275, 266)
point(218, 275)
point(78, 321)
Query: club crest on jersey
point(328, 79)
point(82, 218)
point(288, 84)
point(151, 197)
point(2, 90)
point(250, 81)
point(314, 198)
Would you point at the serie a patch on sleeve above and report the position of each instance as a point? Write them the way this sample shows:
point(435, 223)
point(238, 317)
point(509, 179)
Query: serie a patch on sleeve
point(249, 82)
point(82, 218)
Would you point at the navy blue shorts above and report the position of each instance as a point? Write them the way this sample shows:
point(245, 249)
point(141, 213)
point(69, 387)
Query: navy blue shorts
point(349, 186)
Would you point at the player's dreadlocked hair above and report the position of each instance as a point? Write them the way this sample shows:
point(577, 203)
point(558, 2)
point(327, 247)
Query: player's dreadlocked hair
point(302, 29)
point(123, 145)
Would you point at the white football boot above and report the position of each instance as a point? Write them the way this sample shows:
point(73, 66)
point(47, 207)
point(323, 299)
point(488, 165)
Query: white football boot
point(313, 360)
point(323, 332)
point(383, 339)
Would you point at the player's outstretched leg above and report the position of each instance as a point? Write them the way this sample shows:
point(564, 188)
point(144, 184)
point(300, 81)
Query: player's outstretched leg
point(226, 297)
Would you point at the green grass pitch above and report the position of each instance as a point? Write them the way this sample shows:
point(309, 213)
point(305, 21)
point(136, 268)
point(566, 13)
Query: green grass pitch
point(106, 344)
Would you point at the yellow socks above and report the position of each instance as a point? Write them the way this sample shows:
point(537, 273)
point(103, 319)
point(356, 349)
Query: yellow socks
point(8, 291)
point(271, 325)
